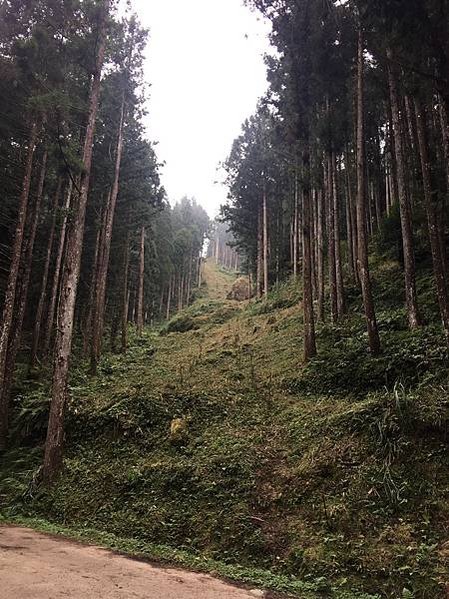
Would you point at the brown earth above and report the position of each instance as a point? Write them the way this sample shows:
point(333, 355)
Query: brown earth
point(39, 566)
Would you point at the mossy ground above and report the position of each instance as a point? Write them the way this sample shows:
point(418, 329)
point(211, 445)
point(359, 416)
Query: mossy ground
point(332, 478)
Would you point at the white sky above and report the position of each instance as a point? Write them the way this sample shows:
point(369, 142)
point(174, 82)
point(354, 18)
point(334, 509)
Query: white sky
point(206, 70)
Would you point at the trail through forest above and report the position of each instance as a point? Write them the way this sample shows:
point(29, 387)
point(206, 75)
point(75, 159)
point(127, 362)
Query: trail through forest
point(218, 282)
point(37, 566)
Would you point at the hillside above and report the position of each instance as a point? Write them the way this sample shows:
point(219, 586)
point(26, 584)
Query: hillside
point(215, 448)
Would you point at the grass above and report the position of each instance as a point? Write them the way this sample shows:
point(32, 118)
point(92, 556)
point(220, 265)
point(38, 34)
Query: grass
point(329, 479)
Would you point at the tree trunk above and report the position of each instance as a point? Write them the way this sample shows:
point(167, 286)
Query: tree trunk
point(309, 322)
point(295, 230)
point(10, 294)
point(320, 261)
point(70, 278)
point(125, 296)
point(140, 291)
point(102, 275)
point(349, 221)
point(43, 293)
point(331, 239)
point(88, 341)
point(411, 298)
point(341, 305)
point(362, 242)
point(259, 266)
point(57, 272)
point(21, 297)
point(265, 245)
point(170, 289)
point(432, 219)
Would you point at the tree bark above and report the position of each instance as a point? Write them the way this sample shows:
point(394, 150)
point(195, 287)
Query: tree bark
point(411, 298)
point(10, 294)
point(362, 242)
point(66, 309)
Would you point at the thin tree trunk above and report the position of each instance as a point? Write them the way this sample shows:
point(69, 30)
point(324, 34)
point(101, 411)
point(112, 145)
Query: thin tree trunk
point(259, 269)
point(341, 307)
point(309, 321)
point(170, 288)
point(265, 244)
point(10, 294)
point(69, 286)
point(320, 263)
point(295, 230)
point(102, 275)
point(57, 272)
point(349, 222)
point(331, 239)
point(43, 293)
point(432, 219)
point(22, 296)
point(125, 295)
point(411, 298)
point(362, 242)
point(140, 291)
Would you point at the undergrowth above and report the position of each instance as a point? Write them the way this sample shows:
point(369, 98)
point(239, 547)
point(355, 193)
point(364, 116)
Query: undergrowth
point(330, 479)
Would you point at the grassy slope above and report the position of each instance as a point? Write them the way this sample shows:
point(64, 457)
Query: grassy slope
point(333, 476)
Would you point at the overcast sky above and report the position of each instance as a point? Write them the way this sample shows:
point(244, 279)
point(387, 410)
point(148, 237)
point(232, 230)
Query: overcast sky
point(205, 65)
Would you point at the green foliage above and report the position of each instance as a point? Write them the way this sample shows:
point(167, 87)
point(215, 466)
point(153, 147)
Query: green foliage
point(345, 366)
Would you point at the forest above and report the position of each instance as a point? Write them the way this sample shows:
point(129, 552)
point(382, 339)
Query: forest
point(262, 395)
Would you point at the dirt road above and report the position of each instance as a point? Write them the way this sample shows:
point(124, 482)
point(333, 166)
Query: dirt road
point(37, 566)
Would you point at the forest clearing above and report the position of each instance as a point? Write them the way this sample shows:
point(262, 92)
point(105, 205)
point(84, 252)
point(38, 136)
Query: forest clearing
point(224, 298)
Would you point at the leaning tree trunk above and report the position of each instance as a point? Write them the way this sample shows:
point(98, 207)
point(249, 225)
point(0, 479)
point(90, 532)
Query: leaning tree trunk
point(140, 290)
point(70, 278)
point(362, 241)
point(10, 294)
point(411, 298)
point(432, 219)
point(43, 292)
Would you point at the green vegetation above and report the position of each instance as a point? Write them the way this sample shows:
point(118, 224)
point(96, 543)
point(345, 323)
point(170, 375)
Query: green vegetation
point(314, 480)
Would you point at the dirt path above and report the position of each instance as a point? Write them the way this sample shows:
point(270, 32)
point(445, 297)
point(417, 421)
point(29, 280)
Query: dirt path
point(38, 566)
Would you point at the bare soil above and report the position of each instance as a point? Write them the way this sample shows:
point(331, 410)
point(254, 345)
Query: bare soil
point(39, 566)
